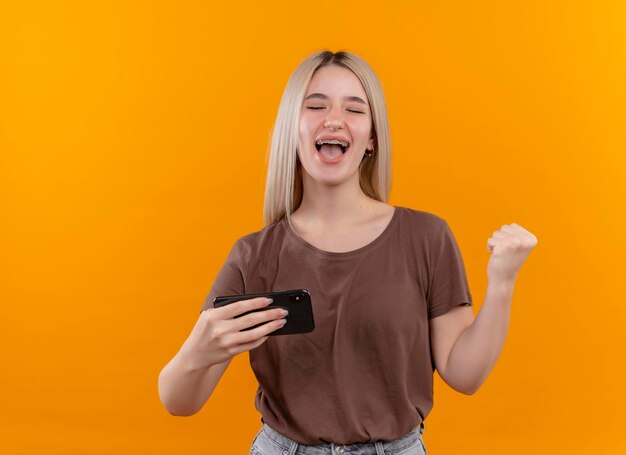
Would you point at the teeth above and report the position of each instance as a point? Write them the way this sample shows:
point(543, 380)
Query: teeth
point(331, 141)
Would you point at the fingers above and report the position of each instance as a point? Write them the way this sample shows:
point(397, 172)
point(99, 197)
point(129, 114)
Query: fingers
point(499, 234)
point(249, 336)
point(516, 229)
point(258, 317)
point(234, 309)
point(494, 243)
point(490, 245)
point(231, 336)
point(512, 232)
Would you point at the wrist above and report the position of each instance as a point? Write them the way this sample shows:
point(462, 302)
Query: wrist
point(501, 289)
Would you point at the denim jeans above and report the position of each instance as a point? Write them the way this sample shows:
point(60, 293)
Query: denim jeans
point(269, 442)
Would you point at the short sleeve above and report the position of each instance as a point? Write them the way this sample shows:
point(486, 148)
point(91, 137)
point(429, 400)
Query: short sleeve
point(448, 284)
point(230, 279)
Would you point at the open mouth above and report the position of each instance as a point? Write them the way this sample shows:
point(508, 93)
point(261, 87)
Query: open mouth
point(331, 145)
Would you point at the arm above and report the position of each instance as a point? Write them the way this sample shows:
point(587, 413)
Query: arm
point(185, 385)
point(188, 380)
point(465, 349)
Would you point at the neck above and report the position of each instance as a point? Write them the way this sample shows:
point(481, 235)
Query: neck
point(333, 205)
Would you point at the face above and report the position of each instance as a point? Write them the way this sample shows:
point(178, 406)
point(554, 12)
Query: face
point(335, 107)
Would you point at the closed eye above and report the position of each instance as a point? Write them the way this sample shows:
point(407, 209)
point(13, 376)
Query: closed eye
point(349, 110)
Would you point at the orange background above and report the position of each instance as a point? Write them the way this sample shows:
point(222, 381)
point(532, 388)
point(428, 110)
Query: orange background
point(133, 139)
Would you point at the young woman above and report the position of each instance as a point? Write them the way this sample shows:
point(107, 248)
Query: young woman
point(390, 296)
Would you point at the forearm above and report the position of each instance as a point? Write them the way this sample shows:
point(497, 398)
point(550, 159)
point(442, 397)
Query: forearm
point(181, 385)
point(476, 351)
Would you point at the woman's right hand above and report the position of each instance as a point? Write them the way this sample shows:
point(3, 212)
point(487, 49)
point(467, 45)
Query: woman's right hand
point(216, 336)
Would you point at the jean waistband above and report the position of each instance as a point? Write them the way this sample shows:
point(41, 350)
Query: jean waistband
point(378, 447)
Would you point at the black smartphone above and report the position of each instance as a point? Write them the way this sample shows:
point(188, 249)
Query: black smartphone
point(296, 301)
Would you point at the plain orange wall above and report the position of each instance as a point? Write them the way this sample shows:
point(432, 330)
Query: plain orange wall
point(133, 139)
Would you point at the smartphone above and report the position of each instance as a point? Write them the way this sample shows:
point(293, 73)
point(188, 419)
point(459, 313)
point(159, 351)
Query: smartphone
point(296, 301)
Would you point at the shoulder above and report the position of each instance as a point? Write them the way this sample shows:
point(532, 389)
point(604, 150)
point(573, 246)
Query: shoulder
point(426, 222)
point(261, 238)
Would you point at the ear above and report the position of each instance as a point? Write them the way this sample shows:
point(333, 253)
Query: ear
point(370, 144)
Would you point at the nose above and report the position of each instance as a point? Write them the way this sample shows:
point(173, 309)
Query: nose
point(333, 123)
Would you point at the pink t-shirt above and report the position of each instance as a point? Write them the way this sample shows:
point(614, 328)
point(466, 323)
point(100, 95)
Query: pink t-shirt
point(366, 372)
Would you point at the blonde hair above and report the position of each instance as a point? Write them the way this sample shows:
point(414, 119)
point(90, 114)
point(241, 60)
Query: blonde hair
point(283, 187)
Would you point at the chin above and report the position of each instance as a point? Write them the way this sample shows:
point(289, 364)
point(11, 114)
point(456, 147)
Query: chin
point(331, 180)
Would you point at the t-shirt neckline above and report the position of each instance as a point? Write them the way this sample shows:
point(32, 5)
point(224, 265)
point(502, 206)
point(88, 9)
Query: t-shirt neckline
point(344, 254)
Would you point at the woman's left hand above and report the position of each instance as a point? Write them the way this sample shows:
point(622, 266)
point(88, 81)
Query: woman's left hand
point(509, 247)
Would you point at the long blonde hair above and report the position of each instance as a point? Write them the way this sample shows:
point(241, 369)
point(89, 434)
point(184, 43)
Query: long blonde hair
point(283, 187)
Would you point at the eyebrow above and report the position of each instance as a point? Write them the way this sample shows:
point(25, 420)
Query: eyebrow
point(347, 98)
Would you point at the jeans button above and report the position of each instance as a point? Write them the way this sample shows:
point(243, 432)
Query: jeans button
point(340, 449)
point(285, 452)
